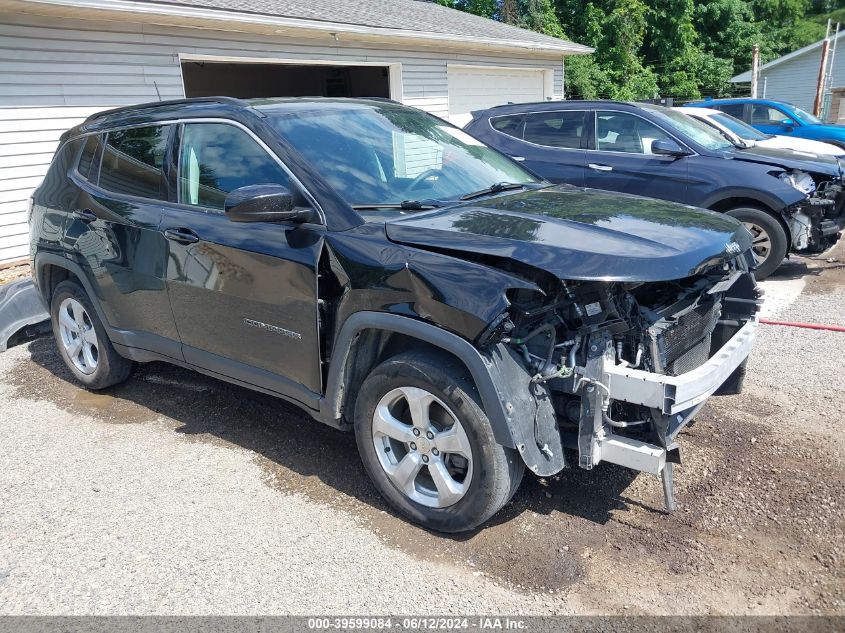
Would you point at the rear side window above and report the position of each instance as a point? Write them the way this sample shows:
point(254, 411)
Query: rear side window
point(216, 158)
point(565, 128)
point(132, 161)
point(734, 109)
point(87, 158)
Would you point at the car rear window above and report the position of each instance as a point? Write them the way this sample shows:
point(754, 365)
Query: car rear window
point(132, 161)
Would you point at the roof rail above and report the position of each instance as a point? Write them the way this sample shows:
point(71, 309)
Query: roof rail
point(161, 104)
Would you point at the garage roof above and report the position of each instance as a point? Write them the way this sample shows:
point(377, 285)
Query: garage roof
point(421, 17)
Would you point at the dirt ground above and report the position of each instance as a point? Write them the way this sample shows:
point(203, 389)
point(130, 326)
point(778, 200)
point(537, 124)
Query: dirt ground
point(13, 273)
point(761, 488)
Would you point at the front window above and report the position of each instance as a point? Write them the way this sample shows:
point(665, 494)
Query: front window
point(626, 133)
point(217, 158)
point(388, 154)
point(740, 128)
point(696, 131)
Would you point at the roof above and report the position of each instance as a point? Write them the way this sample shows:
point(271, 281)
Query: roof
point(403, 19)
point(698, 110)
point(194, 107)
point(746, 76)
point(568, 104)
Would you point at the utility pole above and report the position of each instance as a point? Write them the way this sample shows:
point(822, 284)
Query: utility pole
point(828, 80)
point(755, 69)
point(817, 104)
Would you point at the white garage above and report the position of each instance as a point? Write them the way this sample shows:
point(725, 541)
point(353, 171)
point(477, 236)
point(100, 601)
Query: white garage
point(66, 59)
point(480, 87)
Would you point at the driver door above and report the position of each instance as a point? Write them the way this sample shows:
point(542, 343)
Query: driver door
point(243, 293)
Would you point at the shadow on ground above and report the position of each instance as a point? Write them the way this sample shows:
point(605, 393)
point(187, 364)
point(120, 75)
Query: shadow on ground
point(301, 455)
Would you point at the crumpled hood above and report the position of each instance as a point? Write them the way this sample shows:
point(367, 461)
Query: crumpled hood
point(790, 159)
point(583, 234)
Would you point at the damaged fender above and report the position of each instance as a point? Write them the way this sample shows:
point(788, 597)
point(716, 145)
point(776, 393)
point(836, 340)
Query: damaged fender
point(501, 380)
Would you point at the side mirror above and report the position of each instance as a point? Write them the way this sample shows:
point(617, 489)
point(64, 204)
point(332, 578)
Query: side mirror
point(264, 203)
point(668, 147)
point(787, 124)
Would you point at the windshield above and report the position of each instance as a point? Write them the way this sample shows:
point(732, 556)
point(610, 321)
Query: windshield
point(697, 131)
point(806, 117)
point(740, 128)
point(376, 155)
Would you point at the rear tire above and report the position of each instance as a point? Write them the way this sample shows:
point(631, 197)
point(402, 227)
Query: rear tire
point(82, 340)
point(410, 406)
point(769, 240)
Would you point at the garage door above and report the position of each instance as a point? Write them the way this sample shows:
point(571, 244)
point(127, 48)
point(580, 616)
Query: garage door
point(479, 88)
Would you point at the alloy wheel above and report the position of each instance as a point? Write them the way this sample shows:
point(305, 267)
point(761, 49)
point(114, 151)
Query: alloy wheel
point(422, 447)
point(761, 243)
point(78, 336)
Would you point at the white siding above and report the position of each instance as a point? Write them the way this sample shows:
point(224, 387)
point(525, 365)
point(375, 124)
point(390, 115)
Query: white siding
point(54, 73)
point(795, 79)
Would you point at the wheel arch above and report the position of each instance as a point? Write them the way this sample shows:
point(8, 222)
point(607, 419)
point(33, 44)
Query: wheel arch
point(50, 269)
point(368, 338)
point(518, 418)
point(727, 204)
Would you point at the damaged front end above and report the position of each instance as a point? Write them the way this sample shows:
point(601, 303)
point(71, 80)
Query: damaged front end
point(614, 370)
point(815, 222)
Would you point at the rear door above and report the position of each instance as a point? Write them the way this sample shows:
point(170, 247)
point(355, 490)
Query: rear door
point(243, 294)
point(114, 231)
point(623, 160)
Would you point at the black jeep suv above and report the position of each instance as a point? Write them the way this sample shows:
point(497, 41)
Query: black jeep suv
point(387, 272)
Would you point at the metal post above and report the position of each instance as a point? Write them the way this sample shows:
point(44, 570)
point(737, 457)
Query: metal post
point(755, 69)
point(667, 476)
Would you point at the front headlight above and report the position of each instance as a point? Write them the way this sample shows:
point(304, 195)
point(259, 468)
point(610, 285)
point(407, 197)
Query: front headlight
point(801, 180)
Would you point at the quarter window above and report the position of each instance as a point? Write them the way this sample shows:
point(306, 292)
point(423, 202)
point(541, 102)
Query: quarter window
point(564, 128)
point(86, 158)
point(626, 133)
point(510, 125)
point(216, 158)
point(132, 162)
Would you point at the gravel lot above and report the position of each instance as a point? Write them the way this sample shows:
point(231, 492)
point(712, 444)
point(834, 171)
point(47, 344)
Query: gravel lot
point(179, 494)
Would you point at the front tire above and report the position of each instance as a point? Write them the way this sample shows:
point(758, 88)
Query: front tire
point(769, 239)
point(428, 446)
point(82, 340)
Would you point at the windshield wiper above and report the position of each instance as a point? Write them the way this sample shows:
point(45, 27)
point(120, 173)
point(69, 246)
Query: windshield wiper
point(494, 188)
point(405, 205)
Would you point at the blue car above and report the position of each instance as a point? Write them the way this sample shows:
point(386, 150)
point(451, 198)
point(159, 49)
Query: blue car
point(790, 202)
point(778, 117)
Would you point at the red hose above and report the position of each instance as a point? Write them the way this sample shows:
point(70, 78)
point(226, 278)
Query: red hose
point(809, 326)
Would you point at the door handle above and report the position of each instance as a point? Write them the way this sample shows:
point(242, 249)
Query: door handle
point(518, 158)
point(181, 236)
point(598, 167)
point(84, 215)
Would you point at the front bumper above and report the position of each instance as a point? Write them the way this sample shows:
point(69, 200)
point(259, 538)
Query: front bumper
point(673, 394)
point(674, 401)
